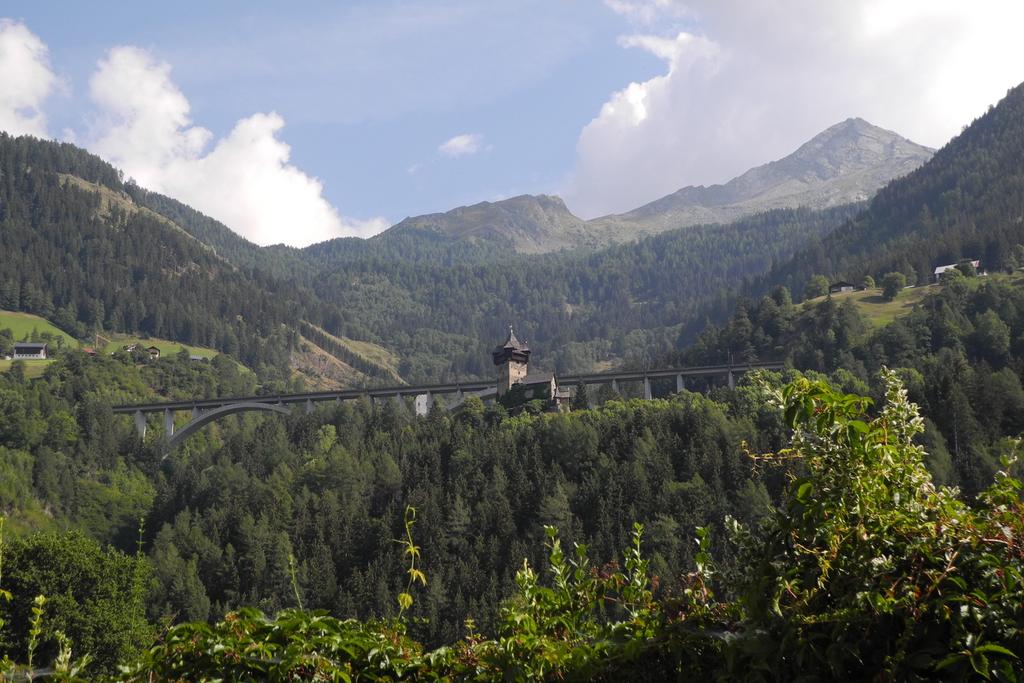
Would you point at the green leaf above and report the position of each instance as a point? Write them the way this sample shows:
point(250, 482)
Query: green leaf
point(992, 647)
point(979, 663)
point(860, 426)
point(950, 660)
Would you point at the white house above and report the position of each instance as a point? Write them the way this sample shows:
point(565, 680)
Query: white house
point(939, 270)
point(30, 351)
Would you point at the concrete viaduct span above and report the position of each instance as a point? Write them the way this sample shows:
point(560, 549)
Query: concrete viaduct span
point(205, 411)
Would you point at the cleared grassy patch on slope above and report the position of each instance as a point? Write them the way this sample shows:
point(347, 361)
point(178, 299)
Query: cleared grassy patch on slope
point(324, 371)
point(33, 368)
point(374, 353)
point(167, 347)
point(880, 312)
point(24, 325)
point(109, 200)
point(369, 358)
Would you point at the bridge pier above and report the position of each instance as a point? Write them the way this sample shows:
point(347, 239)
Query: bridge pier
point(615, 385)
point(423, 403)
point(309, 407)
point(196, 413)
point(140, 424)
point(680, 385)
point(168, 423)
point(732, 379)
point(647, 389)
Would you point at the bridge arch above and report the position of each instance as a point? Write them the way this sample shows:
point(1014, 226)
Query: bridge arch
point(205, 418)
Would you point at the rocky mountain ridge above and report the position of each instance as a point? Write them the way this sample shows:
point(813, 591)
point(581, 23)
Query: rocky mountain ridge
point(846, 163)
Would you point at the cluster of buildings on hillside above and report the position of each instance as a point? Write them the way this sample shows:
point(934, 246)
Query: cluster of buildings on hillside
point(41, 351)
point(153, 351)
point(842, 286)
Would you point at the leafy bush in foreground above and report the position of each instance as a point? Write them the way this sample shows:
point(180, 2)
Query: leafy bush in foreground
point(870, 571)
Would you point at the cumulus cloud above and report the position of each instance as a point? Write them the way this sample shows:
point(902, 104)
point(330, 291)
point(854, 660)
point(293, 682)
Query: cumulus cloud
point(244, 181)
point(26, 80)
point(745, 83)
point(462, 145)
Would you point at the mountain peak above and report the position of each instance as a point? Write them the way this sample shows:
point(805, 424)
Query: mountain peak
point(855, 144)
point(526, 223)
point(847, 162)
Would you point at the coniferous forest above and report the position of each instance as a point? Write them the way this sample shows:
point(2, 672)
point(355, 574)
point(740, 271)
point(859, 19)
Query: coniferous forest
point(856, 516)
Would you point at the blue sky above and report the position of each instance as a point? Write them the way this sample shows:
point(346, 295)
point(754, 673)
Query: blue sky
point(368, 91)
point(610, 104)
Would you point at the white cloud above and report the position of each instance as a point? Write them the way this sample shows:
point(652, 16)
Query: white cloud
point(26, 80)
point(244, 181)
point(462, 145)
point(748, 82)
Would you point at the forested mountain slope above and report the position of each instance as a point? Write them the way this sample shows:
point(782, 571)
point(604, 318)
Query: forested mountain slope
point(577, 310)
point(437, 303)
point(88, 258)
point(100, 254)
point(961, 352)
point(967, 202)
point(271, 512)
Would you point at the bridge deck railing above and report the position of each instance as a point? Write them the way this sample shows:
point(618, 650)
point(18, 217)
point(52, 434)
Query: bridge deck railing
point(439, 389)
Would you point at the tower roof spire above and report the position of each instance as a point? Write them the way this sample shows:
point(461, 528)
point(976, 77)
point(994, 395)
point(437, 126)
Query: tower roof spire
point(512, 348)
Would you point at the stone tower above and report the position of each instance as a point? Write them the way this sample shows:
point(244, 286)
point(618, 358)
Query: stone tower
point(513, 361)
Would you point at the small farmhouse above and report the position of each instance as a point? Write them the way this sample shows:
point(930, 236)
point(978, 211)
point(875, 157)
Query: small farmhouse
point(154, 352)
point(839, 287)
point(30, 351)
point(939, 270)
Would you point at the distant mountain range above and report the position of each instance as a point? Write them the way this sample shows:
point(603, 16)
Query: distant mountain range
point(426, 300)
point(846, 163)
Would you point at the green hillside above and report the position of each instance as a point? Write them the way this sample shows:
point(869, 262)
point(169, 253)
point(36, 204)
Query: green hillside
point(166, 347)
point(24, 326)
point(879, 312)
point(33, 368)
point(111, 200)
point(371, 359)
point(109, 255)
point(91, 257)
point(875, 308)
